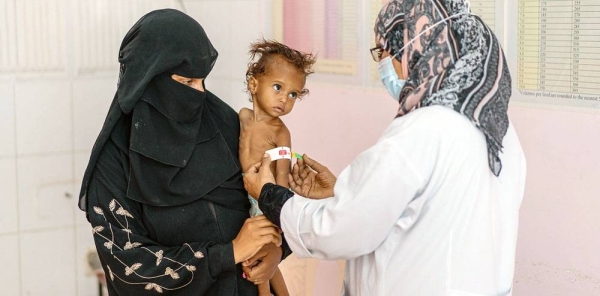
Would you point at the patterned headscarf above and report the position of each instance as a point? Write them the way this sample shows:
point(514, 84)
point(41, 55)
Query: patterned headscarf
point(458, 64)
point(389, 28)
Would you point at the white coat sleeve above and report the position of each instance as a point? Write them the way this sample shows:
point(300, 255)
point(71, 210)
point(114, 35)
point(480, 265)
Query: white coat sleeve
point(370, 196)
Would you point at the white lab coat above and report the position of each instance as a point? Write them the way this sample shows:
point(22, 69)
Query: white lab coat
point(419, 213)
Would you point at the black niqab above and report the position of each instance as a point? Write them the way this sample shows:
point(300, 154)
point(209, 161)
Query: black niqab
point(161, 41)
point(169, 130)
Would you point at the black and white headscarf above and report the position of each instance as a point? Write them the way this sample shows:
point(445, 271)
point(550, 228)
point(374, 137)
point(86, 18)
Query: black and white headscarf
point(458, 64)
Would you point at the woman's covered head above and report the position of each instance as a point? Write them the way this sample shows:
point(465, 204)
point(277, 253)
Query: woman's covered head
point(161, 112)
point(162, 41)
point(451, 58)
point(389, 28)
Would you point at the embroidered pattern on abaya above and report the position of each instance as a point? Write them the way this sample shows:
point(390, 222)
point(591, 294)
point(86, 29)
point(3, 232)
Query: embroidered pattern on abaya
point(135, 271)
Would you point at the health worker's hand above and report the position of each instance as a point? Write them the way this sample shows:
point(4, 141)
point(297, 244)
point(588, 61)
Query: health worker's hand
point(312, 179)
point(258, 175)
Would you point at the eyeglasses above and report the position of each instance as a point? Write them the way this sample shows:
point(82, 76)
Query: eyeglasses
point(376, 53)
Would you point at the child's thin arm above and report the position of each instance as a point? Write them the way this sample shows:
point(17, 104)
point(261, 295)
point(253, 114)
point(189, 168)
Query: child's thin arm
point(264, 289)
point(282, 166)
point(278, 284)
point(282, 171)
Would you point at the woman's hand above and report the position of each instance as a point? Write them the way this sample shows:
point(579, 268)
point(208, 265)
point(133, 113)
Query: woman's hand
point(312, 179)
point(258, 175)
point(262, 265)
point(255, 233)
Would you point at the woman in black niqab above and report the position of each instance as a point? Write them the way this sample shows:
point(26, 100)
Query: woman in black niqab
point(163, 188)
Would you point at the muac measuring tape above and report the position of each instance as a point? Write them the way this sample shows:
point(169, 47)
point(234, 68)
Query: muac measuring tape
point(282, 153)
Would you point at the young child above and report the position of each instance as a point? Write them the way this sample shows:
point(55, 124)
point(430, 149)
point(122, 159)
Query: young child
point(275, 81)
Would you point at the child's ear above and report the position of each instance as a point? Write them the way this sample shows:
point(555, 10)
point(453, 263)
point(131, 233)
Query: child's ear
point(252, 85)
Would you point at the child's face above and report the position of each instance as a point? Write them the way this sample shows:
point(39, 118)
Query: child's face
point(275, 92)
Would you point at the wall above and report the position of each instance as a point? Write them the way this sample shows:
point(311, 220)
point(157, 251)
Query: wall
point(557, 252)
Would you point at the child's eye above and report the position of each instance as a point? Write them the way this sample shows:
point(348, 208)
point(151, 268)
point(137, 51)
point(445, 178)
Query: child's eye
point(293, 95)
point(277, 87)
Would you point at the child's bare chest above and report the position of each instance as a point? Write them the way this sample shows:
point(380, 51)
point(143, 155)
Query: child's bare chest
point(255, 139)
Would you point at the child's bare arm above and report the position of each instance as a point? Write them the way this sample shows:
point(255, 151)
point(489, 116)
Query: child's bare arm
point(282, 166)
point(278, 284)
point(264, 289)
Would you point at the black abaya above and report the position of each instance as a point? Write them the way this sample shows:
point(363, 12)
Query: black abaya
point(163, 188)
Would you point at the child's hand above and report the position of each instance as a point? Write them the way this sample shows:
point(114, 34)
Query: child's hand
point(312, 179)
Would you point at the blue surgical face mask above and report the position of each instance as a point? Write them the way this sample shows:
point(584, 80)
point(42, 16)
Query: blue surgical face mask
point(389, 77)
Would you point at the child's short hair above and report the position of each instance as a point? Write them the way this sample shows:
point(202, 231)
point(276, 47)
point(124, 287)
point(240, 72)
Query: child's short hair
point(267, 49)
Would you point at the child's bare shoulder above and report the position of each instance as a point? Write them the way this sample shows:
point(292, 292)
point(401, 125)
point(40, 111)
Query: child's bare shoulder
point(245, 113)
point(245, 116)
